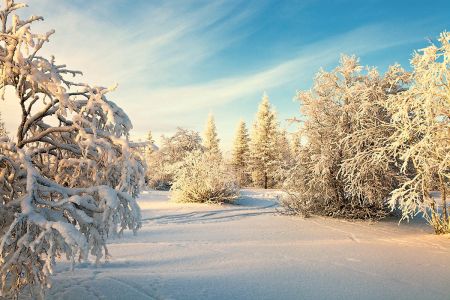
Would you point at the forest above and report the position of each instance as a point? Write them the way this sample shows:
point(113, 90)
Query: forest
point(367, 146)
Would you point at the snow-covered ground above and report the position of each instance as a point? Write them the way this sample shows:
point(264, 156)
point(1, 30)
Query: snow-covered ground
point(249, 251)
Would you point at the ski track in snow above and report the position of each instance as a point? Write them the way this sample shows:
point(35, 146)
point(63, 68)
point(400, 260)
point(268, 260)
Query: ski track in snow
point(250, 251)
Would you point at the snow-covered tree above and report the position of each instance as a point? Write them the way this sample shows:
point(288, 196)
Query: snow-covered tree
point(368, 171)
point(343, 128)
point(263, 155)
point(70, 178)
point(161, 163)
point(241, 153)
point(210, 138)
point(295, 143)
point(421, 137)
point(283, 159)
point(201, 177)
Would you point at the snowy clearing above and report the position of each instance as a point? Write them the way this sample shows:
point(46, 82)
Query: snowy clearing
point(249, 251)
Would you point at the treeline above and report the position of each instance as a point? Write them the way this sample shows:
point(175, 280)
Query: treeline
point(368, 144)
point(374, 143)
point(187, 160)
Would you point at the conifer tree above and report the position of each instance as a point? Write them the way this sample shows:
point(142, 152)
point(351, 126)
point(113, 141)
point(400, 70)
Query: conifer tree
point(263, 144)
point(240, 155)
point(283, 156)
point(210, 139)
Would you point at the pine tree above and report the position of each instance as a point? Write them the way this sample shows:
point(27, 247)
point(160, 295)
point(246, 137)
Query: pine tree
point(283, 158)
point(211, 140)
point(240, 155)
point(263, 154)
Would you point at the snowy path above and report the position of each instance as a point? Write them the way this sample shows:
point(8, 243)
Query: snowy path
point(248, 251)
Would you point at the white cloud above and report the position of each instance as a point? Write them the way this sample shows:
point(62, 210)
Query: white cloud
point(148, 49)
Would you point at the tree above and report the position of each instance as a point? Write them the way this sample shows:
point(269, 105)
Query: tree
point(241, 153)
point(162, 163)
point(421, 136)
point(70, 179)
point(210, 139)
point(337, 172)
point(201, 177)
point(295, 144)
point(283, 159)
point(263, 145)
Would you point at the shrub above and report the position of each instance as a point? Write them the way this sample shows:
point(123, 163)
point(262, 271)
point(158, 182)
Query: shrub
point(203, 178)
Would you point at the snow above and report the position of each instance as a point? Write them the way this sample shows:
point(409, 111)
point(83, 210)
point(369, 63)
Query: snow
point(251, 251)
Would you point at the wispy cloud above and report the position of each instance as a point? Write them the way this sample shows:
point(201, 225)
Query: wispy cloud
point(153, 53)
point(179, 101)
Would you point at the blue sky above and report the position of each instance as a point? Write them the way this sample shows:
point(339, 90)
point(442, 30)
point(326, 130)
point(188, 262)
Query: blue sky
point(176, 61)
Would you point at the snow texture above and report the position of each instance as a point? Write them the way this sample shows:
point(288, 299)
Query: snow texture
point(249, 251)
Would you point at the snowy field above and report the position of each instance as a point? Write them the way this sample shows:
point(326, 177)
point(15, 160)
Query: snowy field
point(249, 251)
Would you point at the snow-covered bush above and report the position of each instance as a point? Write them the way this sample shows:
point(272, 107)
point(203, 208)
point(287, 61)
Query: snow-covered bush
point(344, 120)
point(162, 163)
point(203, 177)
point(69, 179)
point(421, 136)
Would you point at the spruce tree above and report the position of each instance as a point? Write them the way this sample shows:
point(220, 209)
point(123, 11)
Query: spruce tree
point(240, 155)
point(283, 158)
point(263, 154)
point(210, 138)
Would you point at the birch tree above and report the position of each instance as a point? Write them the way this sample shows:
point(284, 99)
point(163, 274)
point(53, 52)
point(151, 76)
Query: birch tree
point(421, 137)
point(337, 172)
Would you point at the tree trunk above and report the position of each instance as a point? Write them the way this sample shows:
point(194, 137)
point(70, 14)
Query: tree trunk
point(265, 180)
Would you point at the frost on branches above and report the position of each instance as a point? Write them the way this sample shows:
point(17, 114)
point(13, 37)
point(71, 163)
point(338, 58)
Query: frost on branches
point(340, 170)
point(210, 138)
point(263, 146)
point(203, 177)
point(421, 139)
point(162, 162)
point(240, 154)
point(69, 179)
